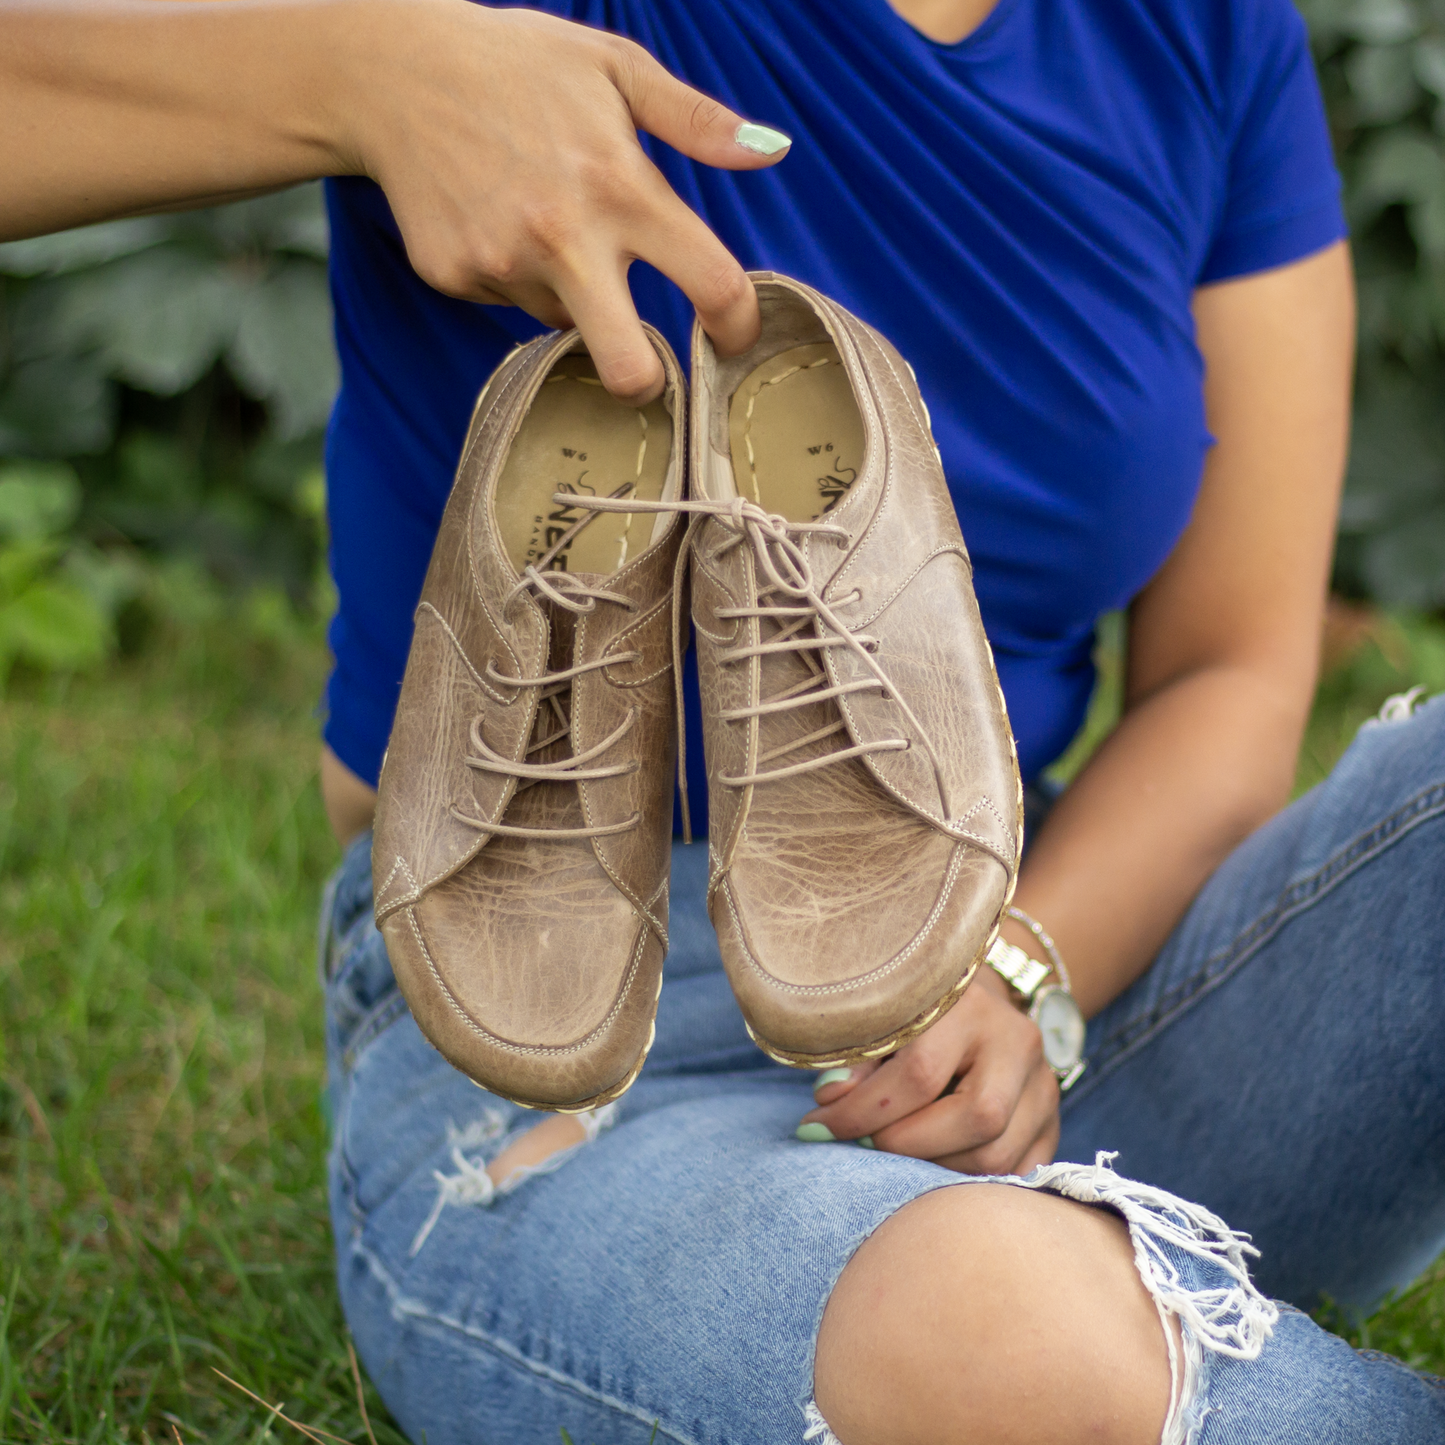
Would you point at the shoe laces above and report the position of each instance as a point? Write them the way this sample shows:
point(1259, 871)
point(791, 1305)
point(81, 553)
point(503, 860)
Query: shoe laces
point(554, 703)
point(799, 614)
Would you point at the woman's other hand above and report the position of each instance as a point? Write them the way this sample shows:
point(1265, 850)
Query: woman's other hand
point(973, 1093)
point(505, 140)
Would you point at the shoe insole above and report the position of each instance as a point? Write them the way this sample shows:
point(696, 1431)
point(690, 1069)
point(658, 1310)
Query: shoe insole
point(796, 435)
point(577, 437)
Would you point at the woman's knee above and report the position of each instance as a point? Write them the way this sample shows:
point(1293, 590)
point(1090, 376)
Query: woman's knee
point(997, 1316)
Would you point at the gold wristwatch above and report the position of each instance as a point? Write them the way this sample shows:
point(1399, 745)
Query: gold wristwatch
point(1050, 1005)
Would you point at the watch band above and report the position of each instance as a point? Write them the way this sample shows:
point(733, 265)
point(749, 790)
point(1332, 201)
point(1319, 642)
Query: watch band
point(1045, 942)
point(1025, 974)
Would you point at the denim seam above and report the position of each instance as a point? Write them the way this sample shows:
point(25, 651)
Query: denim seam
point(404, 1305)
point(1216, 969)
point(381, 1018)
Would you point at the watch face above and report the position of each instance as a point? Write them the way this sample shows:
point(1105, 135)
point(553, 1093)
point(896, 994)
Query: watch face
point(1062, 1026)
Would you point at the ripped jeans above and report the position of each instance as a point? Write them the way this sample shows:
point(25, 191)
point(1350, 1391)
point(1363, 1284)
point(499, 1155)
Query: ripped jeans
point(1280, 1064)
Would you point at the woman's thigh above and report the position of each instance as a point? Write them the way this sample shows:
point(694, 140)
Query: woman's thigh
point(1282, 1061)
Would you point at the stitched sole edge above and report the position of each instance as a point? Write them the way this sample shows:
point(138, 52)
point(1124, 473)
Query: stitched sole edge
point(887, 1045)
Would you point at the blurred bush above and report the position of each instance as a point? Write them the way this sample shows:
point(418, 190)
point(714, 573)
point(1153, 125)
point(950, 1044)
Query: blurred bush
point(1382, 63)
point(181, 368)
point(58, 597)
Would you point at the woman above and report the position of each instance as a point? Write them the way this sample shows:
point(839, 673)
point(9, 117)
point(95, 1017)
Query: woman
point(1109, 240)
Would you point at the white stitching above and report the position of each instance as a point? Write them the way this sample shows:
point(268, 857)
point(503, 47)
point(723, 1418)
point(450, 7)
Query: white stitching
point(477, 677)
point(547, 1050)
point(821, 989)
point(383, 911)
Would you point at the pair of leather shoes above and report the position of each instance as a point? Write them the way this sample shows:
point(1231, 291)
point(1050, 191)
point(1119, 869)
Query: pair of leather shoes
point(864, 797)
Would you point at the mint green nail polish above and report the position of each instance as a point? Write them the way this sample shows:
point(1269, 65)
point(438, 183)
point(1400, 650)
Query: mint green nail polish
point(866, 1142)
point(762, 140)
point(815, 1134)
point(831, 1076)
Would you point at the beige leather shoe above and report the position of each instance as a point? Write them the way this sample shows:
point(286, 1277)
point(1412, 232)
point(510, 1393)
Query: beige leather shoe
point(523, 827)
point(866, 809)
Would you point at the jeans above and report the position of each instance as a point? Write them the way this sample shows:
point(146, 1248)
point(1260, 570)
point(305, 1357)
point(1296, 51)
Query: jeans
point(1278, 1065)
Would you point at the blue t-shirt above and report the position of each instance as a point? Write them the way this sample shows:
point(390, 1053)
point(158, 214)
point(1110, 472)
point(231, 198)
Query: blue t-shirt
point(1025, 214)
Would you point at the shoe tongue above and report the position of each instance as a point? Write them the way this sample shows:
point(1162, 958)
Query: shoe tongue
point(782, 672)
point(562, 632)
point(563, 628)
point(563, 623)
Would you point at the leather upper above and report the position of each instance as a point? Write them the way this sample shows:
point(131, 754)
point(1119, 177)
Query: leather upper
point(532, 962)
point(850, 899)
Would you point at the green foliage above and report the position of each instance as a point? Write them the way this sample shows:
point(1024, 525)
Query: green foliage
point(1393, 654)
point(1400, 652)
point(184, 366)
point(1382, 63)
point(58, 596)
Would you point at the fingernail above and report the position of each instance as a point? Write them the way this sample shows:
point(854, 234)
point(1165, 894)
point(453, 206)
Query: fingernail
point(762, 140)
point(831, 1076)
point(815, 1134)
point(866, 1142)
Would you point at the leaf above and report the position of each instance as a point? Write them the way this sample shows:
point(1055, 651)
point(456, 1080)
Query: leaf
point(159, 469)
point(57, 406)
point(1401, 166)
point(293, 221)
point(22, 564)
point(84, 246)
point(1408, 167)
point(55, 626)
point(159, 319)
point(37, 500)
point(1378, 22)
point(283, 351)
point(1382, 80)
point(110, 579)
point(1397, 455)
point(1430, 64)
point(1405, 565)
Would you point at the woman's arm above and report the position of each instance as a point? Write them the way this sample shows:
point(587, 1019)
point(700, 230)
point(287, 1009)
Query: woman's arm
point(505, 141)
point(1223, 643)
point(1223, 649)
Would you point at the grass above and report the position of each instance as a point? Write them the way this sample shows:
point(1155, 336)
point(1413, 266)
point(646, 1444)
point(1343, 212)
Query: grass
point(162, 1204)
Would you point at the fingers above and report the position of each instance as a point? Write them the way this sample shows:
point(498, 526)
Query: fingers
point(600, 305)
point(682, 247)
point(997, 1098)
point(688, 120)
point(1031, 1135)
point(832, 1084)
point(1043, 1149)
point(1001, 1115)
point(543, 197)
point(913, 1077)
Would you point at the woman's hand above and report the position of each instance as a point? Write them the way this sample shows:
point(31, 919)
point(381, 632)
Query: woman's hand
point(973, 1093)
point(505, 140)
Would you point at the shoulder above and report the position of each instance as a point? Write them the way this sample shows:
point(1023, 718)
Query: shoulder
point(1227, 49)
